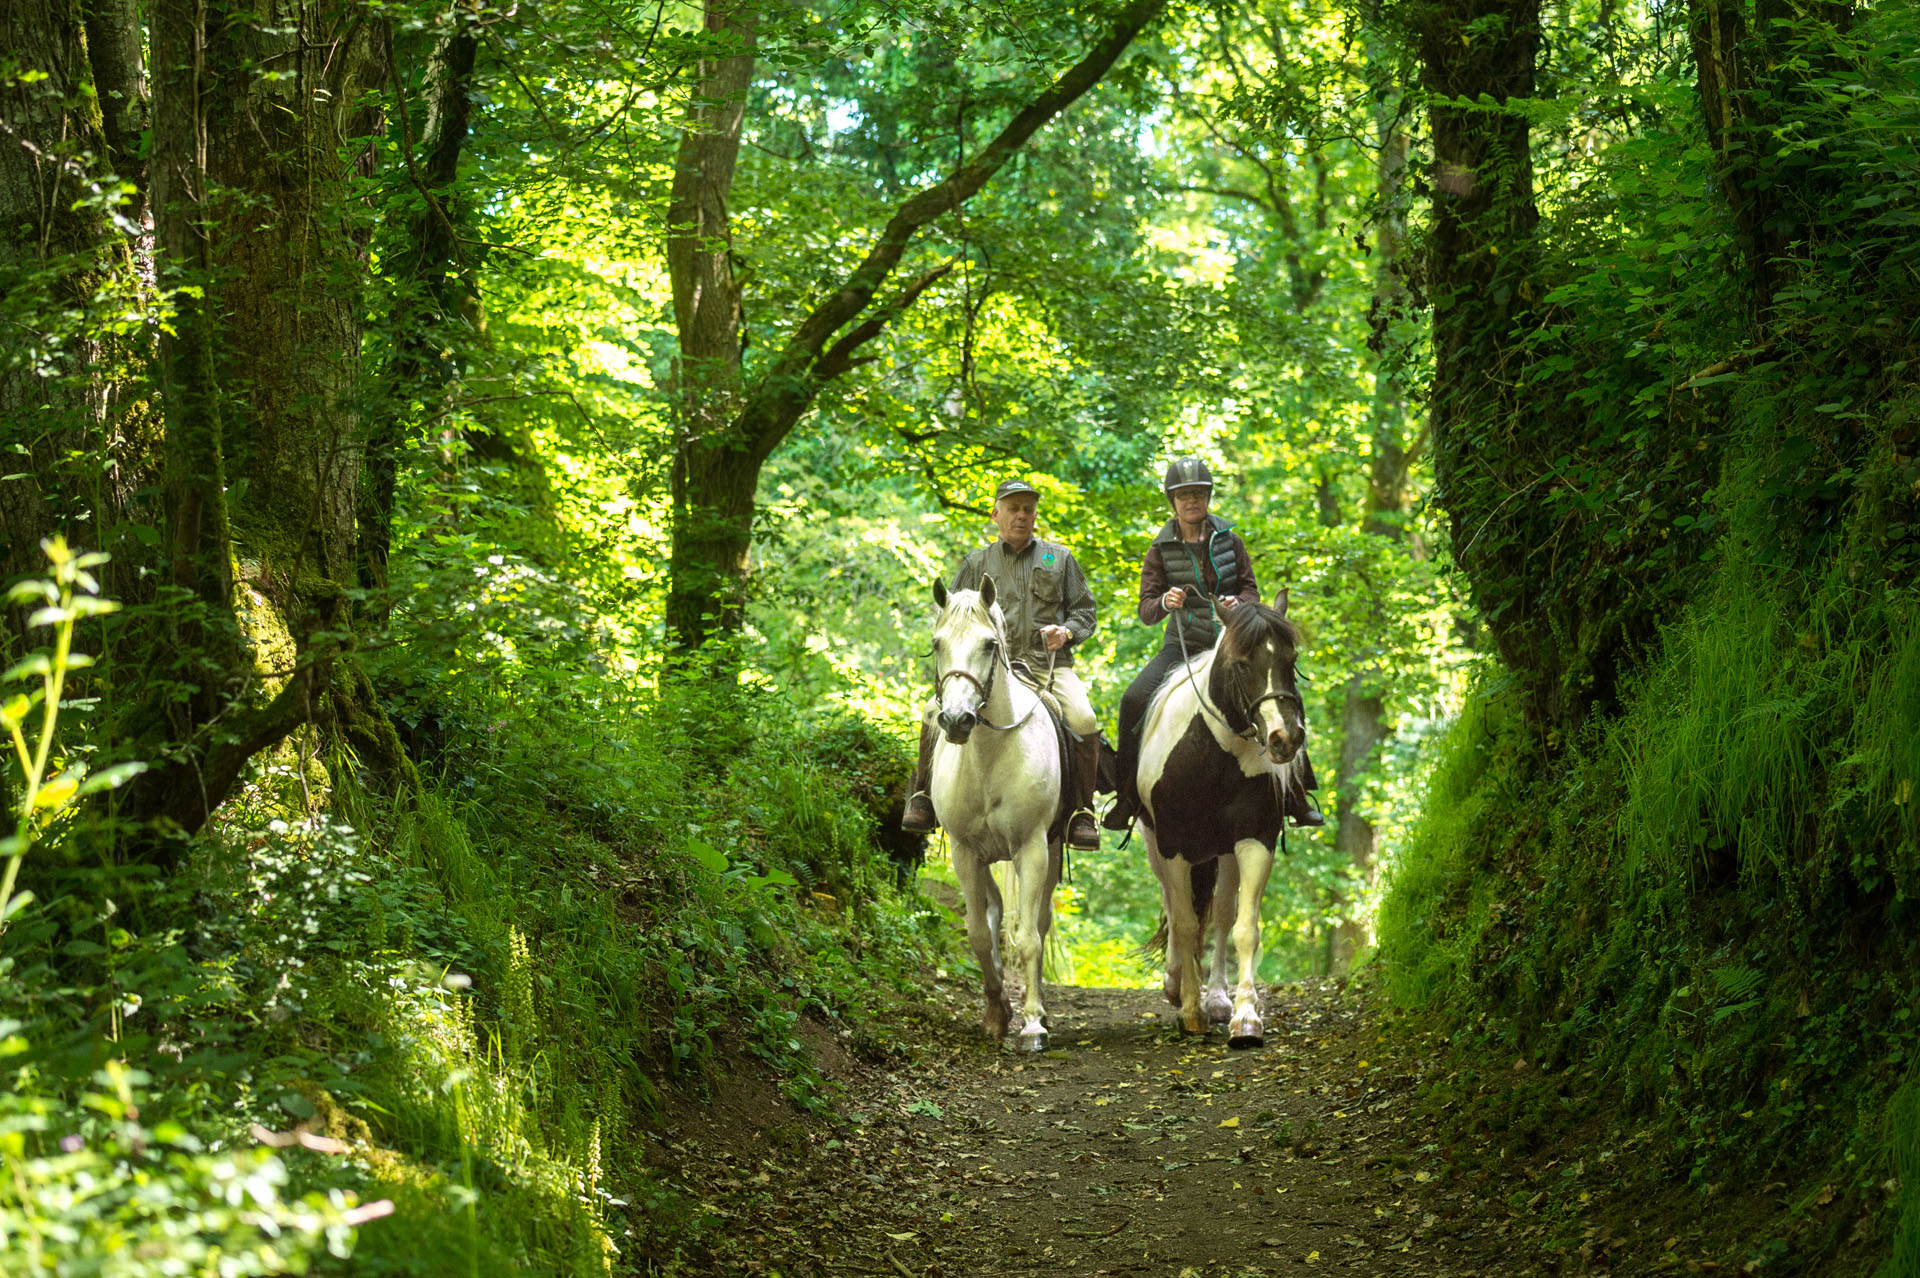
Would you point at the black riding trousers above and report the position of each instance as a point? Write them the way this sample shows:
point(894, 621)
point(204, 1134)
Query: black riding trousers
point(1133, 708)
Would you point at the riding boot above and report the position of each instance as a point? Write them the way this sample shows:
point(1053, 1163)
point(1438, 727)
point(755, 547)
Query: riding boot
point(1082, 834)
point(1126, 795)
point(919, 817)
point(1299, 806)
point(1125, 803)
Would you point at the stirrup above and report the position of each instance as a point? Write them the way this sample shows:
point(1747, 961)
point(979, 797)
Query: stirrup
point(1091, 820)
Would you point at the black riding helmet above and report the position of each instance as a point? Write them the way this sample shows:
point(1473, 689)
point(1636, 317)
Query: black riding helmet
point(1186, 472)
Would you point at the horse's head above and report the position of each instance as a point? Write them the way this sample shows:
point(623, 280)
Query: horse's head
point(1253, 678)
point(967, 649)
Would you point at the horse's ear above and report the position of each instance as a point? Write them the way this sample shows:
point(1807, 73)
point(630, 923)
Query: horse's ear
point(1280, 602)
point(986, 592)
point(939, 593)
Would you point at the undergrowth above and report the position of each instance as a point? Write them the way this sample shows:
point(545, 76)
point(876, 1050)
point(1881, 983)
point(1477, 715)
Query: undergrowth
point(465, 1007)
point(1705, 908)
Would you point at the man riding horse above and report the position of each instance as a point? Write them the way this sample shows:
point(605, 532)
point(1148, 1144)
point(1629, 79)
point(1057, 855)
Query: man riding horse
point(1049, 610)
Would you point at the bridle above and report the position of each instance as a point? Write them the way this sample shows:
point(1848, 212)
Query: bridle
point(997, 661)
point(961, 672)
point(1250, 733)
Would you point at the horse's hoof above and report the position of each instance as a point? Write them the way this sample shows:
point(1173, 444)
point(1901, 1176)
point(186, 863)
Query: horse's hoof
point(1219, 1011)
point(1032, 1041)
point(1194, 1025)
point(1246, 1032)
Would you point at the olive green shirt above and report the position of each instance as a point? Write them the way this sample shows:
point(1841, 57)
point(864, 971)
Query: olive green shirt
point(1039, 586)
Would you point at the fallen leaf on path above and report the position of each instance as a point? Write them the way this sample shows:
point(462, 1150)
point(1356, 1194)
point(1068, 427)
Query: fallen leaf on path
point(1230, 1122)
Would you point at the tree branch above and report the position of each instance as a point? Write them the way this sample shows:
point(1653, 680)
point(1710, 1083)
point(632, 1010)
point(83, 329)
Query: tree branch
point(1224, 192)
point(838, 358)
point(781, 396)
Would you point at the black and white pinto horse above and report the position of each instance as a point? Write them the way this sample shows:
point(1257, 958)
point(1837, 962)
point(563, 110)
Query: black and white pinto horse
point(1218, 751)
point(996, 782)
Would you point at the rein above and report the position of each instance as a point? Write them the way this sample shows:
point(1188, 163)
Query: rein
point(1250, 733)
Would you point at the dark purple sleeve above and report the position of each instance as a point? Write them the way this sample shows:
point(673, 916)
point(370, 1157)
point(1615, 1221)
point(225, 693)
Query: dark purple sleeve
point(1153, 584)
point(1250, 591)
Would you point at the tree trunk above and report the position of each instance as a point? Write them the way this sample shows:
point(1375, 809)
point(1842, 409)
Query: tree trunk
point(1744, 73)
point(116, 54)
point(256, 240)
point(713, 478)
point(729, 429)
point(290, 290)
point(1480, 54)
point(1364, 726)
point(59, 380)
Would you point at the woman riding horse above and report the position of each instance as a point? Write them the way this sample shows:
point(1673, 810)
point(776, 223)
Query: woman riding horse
point(1196, 560)
point(1218, 758)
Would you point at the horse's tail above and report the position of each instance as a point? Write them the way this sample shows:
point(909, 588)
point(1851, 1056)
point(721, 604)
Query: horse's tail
point(1205, 876)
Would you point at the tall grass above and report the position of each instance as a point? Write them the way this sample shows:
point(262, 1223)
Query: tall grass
point(1779, 719)
point(1434, 906)
point(1903, 1122)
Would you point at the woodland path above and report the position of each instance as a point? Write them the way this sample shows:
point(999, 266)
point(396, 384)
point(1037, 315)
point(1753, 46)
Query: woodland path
point(1130, 1149)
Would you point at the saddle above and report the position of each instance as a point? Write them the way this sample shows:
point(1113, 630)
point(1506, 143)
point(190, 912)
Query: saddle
point(1106, 775)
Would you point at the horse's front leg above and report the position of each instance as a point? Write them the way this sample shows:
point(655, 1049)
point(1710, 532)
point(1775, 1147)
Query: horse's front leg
point(1256, 863)
point(982, 896)
point(1218, 1006)
point(1034, 878)
point(1183, 936)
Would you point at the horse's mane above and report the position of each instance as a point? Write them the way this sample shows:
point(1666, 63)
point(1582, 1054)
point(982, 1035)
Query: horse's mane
point(993, 616)
point(1251, 624)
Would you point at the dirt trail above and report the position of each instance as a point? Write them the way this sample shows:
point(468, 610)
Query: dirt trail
point(1127, 1149)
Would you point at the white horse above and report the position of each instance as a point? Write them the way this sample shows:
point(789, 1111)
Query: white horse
point(1218, 756)
point(996, 784)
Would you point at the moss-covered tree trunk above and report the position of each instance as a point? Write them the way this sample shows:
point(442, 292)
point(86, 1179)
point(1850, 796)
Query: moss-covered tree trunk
point(260, 121)
point(61, 261)
point(1478, 56)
